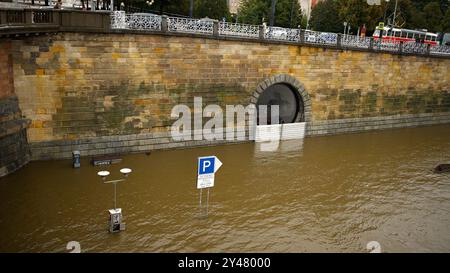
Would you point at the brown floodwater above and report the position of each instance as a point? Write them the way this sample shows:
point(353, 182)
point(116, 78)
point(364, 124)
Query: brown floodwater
point(323, 194)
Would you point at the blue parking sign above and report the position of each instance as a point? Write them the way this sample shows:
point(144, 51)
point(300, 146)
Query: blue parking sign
point(206, 165)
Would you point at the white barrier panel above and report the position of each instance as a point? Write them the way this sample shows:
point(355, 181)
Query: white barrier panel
point(280, 132)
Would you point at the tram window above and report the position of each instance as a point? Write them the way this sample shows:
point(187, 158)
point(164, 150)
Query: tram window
point(389, 33)
point(404, 34)
point(397, 33)
point(427, 38)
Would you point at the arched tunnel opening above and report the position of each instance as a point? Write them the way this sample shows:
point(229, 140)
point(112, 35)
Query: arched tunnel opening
point(289, 101)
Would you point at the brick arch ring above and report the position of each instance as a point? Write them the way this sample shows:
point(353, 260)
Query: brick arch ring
point(304, 101)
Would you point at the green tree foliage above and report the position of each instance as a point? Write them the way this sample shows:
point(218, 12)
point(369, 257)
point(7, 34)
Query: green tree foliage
point(287, 12)
point(253, 12)
point(325, 17)
point(175, 7)
point(214, 9)
point(413, 14)
point(434, 16)
point(446, 22)
point(357, 13)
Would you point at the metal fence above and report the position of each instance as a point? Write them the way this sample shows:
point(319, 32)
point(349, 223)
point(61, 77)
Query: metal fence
point(139, 21)
point(238, 30)
point(282, 34)
point(188, 25)
point(351, 41)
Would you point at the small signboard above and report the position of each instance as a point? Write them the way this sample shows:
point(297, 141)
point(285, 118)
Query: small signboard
point(207, 167)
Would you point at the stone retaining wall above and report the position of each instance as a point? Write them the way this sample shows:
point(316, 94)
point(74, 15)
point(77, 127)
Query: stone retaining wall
point(111, 93)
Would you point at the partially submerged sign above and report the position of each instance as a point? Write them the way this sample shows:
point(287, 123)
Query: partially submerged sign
point(207, 167)
point(106, 160)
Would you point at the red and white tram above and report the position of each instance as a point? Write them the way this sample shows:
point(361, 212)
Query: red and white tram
point(397, 35)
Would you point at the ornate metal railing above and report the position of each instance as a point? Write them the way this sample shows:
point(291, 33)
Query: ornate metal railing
point(188, 25)
point(440, 50)
point(137, 21)
point(380, 45)
point(415, 48)
point(238, 30)
point(42, 16)
point(351, 41)
point(322, 38)
point(14, 17)
point(282, 34)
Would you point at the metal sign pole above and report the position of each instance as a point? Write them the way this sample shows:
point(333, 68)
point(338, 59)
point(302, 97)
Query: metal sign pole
point(207, 202)
point(207, 167)
point(115, 195)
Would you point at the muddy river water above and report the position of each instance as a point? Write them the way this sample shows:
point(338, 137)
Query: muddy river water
point(323, 194)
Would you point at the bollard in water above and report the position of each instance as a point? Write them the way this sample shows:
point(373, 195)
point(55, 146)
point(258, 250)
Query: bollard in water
point(115, 220)
point(76, 159)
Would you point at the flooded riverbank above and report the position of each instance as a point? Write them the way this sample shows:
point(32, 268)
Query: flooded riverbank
point(333, 193)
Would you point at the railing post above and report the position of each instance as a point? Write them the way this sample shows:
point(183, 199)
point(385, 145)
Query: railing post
point(261, 32)
point(55, 18)
point(28, 17)
point(164, 23)
point(339, 41)
point(400, 48)
point(428, 49)
point(2, 17)
point(371, 44)
point(106, 22)
point(302, 36)
point(216, 28)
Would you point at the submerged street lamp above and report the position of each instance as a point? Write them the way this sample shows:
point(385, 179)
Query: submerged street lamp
point(115, 215)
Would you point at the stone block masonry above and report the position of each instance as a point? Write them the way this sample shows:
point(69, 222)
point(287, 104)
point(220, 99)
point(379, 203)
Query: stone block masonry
point(14, 149)
point(113, 93)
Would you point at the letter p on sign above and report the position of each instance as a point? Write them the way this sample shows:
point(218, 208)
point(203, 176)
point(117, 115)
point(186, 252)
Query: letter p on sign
point(206, 165)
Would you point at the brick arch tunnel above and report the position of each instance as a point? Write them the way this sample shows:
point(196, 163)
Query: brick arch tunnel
point(287, 92)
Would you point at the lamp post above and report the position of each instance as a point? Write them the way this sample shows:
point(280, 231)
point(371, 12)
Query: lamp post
point(385, 10)
point(272, 13)
point(395, 13)
point(115, 215)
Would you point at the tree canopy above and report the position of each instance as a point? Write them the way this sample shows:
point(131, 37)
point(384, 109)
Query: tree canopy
point(415, 14)
point(288, 13)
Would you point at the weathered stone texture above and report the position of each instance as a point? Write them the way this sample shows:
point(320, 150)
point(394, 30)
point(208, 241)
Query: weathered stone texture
point(14, 150)
point(87, 86)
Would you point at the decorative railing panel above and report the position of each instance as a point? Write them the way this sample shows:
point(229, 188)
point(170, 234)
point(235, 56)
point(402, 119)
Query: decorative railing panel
point(282, 34)
point(15, 17)
point(188, 25)
point(135, 21)
point(42, 17)
point(322, 38)
point(118, 20)
point(414, 48)
point(238, 30)
point(440, 50)
point(355, 41)
point(386, 46)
